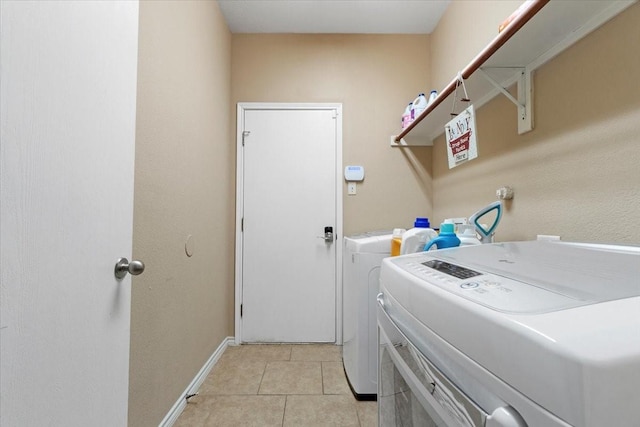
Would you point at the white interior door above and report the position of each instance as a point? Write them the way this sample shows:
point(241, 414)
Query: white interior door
point(67, 101)
point(289, 190)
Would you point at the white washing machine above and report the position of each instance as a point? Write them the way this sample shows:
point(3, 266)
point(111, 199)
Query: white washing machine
point(511, 335)
point(363, 255)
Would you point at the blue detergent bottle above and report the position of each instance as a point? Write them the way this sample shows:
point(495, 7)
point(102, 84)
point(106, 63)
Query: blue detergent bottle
point(447, 238)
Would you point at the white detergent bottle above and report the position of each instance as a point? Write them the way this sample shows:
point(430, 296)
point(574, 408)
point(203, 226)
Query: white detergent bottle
point(413, 240)
point(432, 96)
point(419, 105)
point(467, 235)
point(406, 117)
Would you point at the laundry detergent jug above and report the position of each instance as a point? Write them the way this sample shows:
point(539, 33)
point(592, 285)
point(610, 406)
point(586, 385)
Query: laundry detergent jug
point(447, 238)
point(406, 116)
point(419, 105)
point(413, 240)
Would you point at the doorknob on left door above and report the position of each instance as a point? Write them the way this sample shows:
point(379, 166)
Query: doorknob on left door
point(123, 266)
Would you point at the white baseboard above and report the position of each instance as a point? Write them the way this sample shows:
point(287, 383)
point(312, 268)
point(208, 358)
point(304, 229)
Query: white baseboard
point(195, 384)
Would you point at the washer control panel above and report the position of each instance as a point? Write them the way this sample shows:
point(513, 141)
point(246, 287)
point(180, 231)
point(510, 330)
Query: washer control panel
point(451, 269)
point(491, 290)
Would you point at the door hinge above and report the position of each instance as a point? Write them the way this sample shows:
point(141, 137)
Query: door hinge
point(242, 224)
point(240, 310)
point(244, 135)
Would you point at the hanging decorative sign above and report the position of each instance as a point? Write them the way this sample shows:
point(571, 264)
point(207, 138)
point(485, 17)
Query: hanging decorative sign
point(461, 131)
point(462, 138)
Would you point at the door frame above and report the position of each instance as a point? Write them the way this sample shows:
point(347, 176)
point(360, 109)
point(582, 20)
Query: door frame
point(247, 106)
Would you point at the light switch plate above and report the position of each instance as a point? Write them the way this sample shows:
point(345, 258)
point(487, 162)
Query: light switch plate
point(351, 188)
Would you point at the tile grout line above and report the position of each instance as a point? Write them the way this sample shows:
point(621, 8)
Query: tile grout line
point(284, 411)
point(288, 360)
point(264, 370)
point(355, 406)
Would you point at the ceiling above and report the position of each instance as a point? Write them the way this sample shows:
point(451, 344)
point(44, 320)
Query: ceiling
point(333, 16)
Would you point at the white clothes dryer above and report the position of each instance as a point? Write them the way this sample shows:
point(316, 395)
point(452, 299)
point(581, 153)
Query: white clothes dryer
point(363, 255)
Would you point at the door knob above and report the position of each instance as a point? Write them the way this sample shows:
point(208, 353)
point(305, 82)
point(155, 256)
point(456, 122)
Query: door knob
point(328, 234)
point(123, 266)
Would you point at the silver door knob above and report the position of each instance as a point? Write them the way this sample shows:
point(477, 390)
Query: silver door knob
point(123, 266)
point(328, 234)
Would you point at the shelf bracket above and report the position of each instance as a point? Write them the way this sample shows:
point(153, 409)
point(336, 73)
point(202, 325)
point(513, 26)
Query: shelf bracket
point(411, 143)
point(524, 102)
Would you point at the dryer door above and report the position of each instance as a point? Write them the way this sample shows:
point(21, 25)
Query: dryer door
point(412, 391)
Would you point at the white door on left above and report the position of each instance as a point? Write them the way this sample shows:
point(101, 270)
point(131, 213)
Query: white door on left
point(68, 104)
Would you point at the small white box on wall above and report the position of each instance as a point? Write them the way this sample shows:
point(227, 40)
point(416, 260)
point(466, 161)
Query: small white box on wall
point(354, 173)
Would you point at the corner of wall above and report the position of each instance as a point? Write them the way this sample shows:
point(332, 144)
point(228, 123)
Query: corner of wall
point(182, 306)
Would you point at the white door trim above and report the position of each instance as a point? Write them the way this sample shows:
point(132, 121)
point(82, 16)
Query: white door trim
point(245, 106)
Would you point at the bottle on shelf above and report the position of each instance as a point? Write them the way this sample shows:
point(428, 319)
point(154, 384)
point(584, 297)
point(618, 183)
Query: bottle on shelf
point(432, 96)
point(406, 116)
point(419, 105)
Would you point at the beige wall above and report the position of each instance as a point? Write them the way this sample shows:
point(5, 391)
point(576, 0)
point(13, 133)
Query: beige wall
point(182, 308)
point(464, 30)
point(374, 77)
point(577, 173)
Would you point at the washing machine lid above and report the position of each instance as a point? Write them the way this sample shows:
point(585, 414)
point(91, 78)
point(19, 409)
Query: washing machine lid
point(378, 242)
point(530, 277)
point(582, 273)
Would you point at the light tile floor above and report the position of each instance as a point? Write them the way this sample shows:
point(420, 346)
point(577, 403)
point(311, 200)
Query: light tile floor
point(278, 385)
